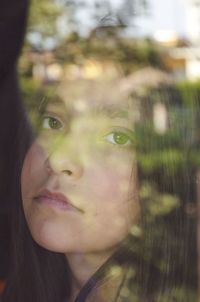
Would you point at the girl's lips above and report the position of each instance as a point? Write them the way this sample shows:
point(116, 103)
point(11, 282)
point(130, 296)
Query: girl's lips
point(56, 200)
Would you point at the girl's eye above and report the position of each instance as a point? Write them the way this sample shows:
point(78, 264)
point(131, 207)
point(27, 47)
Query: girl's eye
point(53, 123)
point(119, 138)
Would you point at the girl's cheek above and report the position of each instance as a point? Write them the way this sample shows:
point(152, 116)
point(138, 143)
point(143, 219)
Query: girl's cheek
point(36, 154)
point(34, 160)
point(109, 184)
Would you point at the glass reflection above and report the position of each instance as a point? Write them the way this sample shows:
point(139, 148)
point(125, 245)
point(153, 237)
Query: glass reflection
point(110, 184)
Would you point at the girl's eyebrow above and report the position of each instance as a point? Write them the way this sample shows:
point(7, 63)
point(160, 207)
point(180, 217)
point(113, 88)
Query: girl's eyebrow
point(55, 102)
point(112, 111)
point(121, 114)
point(50, 102)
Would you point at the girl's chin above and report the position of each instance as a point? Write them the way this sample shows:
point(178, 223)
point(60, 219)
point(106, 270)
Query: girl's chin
point(50, 238)
point(59, 237)
point(55, 243)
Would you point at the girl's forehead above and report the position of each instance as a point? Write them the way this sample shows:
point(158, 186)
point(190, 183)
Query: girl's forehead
point(79, 108)
point(92, 97)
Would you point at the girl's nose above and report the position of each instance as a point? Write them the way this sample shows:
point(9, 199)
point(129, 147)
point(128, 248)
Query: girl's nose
point(65, 162)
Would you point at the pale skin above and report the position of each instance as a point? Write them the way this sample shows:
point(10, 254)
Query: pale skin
point(87, 156)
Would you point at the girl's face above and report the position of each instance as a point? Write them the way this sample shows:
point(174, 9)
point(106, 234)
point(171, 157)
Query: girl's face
point(79, 178)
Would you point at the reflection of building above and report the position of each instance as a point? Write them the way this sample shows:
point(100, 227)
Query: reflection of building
point(170, 41)
point(180, 57)
point(160, 117)
point(46, 69)
point(193, 20)
point(148, 87)
point(91, 69)
point(150, 91)
point(183, 57)
point(189, 62)
point(44, 66)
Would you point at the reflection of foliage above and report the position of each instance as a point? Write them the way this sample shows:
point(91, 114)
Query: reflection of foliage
point(177, 294)
point(167, 167)
point(167, 162)
point(43, 21)
point(52, 19)
point(160, 152)
point(190, 92)
point(44, 9)
point(157, 204)
point(128, 54)
point(103, 13)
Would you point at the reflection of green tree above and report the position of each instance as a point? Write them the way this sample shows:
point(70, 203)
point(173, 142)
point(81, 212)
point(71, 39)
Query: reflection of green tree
point(51, 19)
point(43, 22)
point(167, 162)
point(128, 54)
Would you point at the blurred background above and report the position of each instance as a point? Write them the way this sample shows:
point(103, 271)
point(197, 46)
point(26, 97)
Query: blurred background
point(153, 49)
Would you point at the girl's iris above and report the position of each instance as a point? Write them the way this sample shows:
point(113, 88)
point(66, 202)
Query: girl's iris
point(121, 138)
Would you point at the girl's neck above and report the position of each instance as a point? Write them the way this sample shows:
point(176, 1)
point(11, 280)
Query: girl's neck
point(83, 267)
